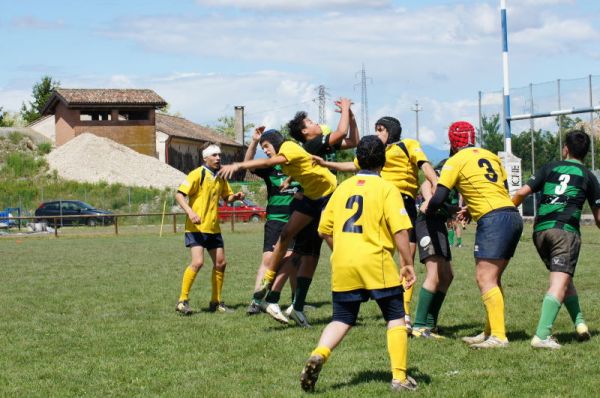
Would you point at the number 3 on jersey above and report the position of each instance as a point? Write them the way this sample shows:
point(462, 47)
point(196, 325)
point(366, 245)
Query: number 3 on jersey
point(350, 224)
point(491, 173)
point(562, 187)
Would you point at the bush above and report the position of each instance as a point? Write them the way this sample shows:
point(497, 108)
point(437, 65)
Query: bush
point(44, 148)
point(22, 165)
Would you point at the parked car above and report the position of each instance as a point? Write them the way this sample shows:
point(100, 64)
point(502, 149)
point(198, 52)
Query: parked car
point(58, 208)
point(243, 210)
point(6, 217)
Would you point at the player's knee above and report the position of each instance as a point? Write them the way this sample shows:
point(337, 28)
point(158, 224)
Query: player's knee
point(196, 265)
point(221, 265)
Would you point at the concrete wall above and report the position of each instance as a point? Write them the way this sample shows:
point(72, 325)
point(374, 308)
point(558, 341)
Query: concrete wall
point(46, 127)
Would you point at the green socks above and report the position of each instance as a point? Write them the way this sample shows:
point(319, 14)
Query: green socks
point(572, 304)
point(422, 315)
point(273, 297)
point(434, 309)
point(550, 308)
point(451, 237)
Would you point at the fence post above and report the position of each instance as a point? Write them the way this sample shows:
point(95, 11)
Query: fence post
point(174, 223)
point(116, 225)
point(56, 228)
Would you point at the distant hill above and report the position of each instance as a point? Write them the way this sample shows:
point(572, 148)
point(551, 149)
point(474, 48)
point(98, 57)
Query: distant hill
point(435, 155)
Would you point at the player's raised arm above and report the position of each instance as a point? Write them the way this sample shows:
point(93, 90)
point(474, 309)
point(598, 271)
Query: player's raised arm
point(352, 140)
point(337, 136)
point(521, 194)
point(229, 170)
point(339, 166)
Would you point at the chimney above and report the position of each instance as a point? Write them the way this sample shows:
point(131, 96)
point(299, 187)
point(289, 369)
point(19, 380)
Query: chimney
point(238, 124)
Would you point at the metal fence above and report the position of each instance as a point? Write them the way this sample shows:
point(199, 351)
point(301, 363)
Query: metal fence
point(537, 106)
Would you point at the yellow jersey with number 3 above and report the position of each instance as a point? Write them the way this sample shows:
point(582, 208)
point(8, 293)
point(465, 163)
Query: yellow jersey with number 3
point(480, 177)
point(203, 197)
point(363, 215)
point(316, 181)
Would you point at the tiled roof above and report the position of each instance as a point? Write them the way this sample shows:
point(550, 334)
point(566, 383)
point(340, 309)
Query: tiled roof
point(180, 127)
point(103, 97)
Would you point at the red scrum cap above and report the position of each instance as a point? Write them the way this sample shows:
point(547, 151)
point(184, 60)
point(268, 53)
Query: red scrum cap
point(461, 134)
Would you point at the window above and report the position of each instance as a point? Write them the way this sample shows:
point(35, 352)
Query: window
point(133, 115)
point(89, 116)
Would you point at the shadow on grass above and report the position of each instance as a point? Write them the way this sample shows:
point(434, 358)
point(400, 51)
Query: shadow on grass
point(570, 337)
point(383, 376)
point(518, 335)
point(455, 330)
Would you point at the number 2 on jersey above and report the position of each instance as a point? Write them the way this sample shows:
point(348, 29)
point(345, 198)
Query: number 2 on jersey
point(350, 224)
point(491, 173)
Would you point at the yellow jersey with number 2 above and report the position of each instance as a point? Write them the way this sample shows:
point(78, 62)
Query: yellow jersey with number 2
point(363, 215)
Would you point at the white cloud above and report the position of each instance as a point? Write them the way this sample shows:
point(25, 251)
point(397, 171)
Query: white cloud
point(294, 5)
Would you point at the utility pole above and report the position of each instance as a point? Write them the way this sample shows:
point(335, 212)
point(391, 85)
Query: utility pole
point(416, 110)
point(322, 96)
point(364, 102)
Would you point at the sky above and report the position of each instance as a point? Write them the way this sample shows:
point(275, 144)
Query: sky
point(206, 56)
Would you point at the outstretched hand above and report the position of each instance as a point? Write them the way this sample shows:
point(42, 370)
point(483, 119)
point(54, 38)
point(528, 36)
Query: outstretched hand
point(257, 133)
point(228, 171)
point(317, 160)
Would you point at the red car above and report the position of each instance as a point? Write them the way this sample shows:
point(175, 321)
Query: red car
point(242, 210)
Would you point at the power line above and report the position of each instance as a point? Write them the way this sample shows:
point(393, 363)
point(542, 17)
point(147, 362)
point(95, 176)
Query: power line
point(323, 94)
point(364, 102)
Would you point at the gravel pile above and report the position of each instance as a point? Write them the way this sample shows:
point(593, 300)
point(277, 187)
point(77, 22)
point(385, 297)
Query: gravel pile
point(89, 158)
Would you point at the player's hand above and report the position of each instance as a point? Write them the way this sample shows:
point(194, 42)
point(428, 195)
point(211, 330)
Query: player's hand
point(194, 218)
point(423, 207)
point(228, 171)
point(317, 160)
point(239, 196)
point(257, 133)
point(407, 273)
point(298, 196)
point(343, 104)
point(463, 214)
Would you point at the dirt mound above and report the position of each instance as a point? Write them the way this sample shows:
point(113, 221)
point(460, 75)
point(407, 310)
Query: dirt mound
point(89, 158)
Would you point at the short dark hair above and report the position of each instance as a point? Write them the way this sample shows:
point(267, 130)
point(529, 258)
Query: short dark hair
point(370, 153)
point(296, 125)
point(578, 143)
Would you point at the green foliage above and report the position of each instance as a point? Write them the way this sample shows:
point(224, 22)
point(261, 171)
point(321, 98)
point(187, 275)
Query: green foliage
point(226, 126)
point(102, 321)
point(15, 137)
point(44, 148)
point(41, 93)
point(5, 119)
point(492, 138)
point(21, 165)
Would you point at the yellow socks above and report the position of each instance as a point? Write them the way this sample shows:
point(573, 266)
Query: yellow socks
point(397, 343)
point(189, 275)
point(322, 351)
point(217, 285)
point(407, 299)
point(269, 276)
point(494, 305)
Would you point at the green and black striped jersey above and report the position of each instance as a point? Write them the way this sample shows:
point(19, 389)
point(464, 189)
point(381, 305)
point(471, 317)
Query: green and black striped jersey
point(278, 201)
point(565, 185)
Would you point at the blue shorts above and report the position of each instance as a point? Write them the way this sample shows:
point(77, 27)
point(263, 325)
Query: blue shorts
point(207, 241)
point(498, 233)
point(310, 207)
point(347, 304)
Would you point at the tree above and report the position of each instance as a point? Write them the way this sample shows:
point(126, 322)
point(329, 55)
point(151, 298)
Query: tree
point(7, 119)
point(41, 93)
point(227, 126)
point(491, 137)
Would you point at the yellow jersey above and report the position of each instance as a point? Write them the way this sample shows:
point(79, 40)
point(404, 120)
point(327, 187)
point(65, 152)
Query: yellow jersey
point(363, 215)
point(203, 190)
point(401, 166)
point(316, 181)
point(479, 176)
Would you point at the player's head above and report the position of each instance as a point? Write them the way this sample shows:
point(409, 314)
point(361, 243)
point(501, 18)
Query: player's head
point(461, 135)
point(301, 127)
point(270, 141)
point(211, 154)
point(578, 144)
point(388, 129)
point(438, 167)
point(370, 153)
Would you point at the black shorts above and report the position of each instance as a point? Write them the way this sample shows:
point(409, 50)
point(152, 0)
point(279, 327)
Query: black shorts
point(498, 233)
point(347, 304)
point(273, 229)
point(310, 207)
point(207, 241)
point(559, 249)
point(308, 242)
point(411, 209)
point(432, 237)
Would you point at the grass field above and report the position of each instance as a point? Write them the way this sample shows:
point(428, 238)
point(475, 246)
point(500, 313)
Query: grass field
point(94, 316)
